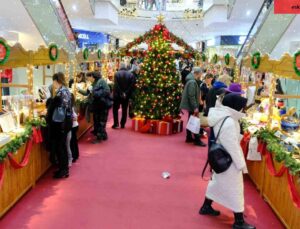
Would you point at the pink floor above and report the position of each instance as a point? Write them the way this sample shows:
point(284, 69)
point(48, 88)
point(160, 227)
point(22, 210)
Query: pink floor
point(118, 185)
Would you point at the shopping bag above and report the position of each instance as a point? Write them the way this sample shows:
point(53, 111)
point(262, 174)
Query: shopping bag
point(253, 155)
point(193, 124)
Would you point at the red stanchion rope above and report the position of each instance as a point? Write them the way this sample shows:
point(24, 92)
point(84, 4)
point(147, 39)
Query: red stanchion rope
point(25, 160)
point(293, 191)
point(1, 173)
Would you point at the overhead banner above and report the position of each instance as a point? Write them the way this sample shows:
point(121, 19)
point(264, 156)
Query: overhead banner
point(286, 6)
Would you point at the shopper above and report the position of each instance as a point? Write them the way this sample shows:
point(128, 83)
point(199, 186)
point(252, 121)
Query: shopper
point(122, 91)
point(60, 112)
point(75, 126)
point(190, 102)
point(217, 90)
point(186, 70)
point(227, 188)
point(204, 88)
point(98, 103)
point(135, 70)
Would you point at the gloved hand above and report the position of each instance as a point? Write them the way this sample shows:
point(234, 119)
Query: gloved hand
point(90, 88)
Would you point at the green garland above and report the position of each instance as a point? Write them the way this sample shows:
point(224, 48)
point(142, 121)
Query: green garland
point(15, 144)
point(281, 154)
point(53, 46)
point(256, 56)
point(215, 59)
point(227, 59)
point(203, 57)
point(295, 63)
point(86, 53)
point(7, 48)
point(99, 54)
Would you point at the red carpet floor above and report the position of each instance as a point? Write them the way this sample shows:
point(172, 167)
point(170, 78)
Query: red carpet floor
point(118, 185)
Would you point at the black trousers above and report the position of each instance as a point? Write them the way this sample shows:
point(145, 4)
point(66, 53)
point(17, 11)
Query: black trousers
point(59, 146)
point(117, 103)
point(100, 120)
point(189, 134)
point(74, 144)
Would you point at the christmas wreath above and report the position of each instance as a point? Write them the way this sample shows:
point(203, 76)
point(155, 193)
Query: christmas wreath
point(255, 60)
point(215, 59)
point(227, 59)
point(53, 52)
point(99, 54)
point(6, 54)
point(86, 53)
point(297, 69)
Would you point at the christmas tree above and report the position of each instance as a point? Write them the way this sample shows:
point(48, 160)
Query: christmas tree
point(159, 88)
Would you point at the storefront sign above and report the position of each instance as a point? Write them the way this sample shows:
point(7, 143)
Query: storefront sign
point(286, 6)
point(90, 39)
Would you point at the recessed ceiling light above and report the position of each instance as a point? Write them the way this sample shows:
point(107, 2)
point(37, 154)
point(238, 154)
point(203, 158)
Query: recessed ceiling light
point(248, 12)
point(74, 7)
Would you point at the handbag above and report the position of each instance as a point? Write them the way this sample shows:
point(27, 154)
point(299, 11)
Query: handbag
point(218, 157)
point(59, 114)
point(193, 124)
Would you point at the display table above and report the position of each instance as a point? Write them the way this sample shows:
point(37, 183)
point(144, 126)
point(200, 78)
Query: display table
point(275, 188)
point(18, 181)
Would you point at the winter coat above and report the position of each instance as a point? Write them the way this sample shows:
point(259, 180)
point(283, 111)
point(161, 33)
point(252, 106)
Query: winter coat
point(227, 188)
point(124, 83)
point(190, 95)
point(96, 97)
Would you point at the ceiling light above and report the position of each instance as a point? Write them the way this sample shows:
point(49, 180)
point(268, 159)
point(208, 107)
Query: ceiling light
point(74, 7)
point(248, 12)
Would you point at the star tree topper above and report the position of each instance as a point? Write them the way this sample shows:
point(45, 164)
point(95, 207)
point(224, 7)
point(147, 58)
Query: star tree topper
point(160, 18)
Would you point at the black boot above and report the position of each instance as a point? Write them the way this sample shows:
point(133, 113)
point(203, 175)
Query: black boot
point(61, 174)
point(239, 222)
point(207, 209)
point(198, 142)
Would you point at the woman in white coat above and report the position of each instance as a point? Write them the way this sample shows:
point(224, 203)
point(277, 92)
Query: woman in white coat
point(227, 188)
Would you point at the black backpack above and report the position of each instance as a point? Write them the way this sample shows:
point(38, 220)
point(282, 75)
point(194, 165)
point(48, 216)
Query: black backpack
point(218, 158)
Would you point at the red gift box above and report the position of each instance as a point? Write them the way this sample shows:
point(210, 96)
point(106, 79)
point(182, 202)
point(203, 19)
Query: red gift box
point(164, 128)
point(153, 126)
point(137, 123)
point(177, 126)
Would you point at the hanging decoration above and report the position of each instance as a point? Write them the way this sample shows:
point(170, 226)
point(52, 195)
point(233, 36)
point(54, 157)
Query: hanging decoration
point(86, 53)
point(255, 60)
point(99, 53)
point(227, 59)
point(4, 52)
point(215, 59)
point(53, 52)
point(297, 63)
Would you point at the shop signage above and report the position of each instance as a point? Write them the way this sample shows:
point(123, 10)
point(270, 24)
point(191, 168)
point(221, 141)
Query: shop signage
point(286, 6)
point(88, 38)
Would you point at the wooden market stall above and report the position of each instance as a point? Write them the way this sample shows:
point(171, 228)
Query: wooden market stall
point(19, 170)
point(276, 175)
